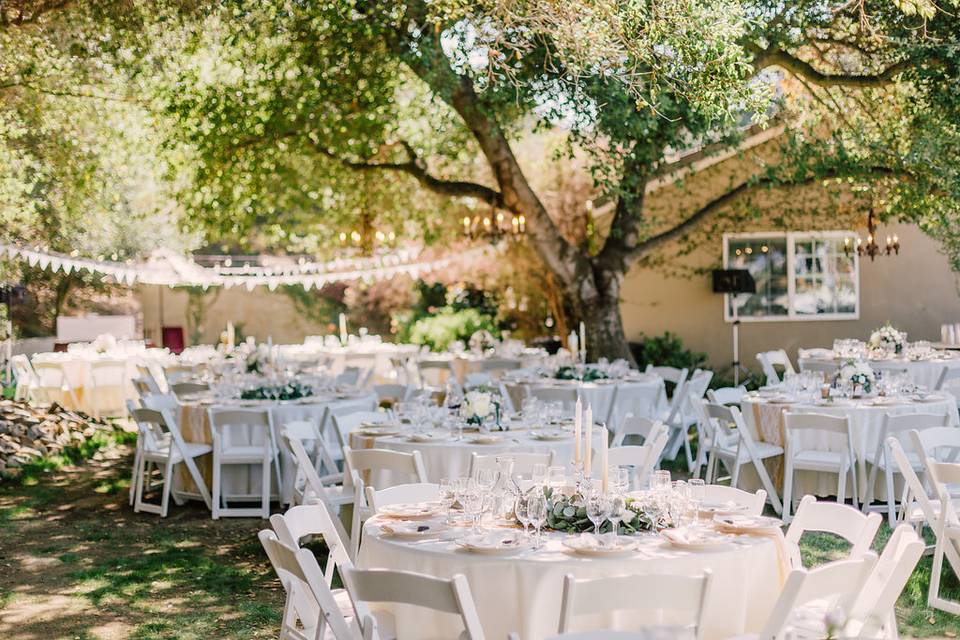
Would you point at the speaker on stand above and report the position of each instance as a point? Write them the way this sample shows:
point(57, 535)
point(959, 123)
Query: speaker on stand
point(733, 282)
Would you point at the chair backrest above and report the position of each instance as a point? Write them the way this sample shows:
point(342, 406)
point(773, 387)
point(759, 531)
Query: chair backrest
point(769, 360)
point(394, 392)
point(344, 424)
point(403, 587)
point(754, 502)
point(938, 443)
point(434, 373)
point(834, 425)
point(637, 426)
point(362, 460)
point(825, 368)
point(154, 427)
point(835, 584)
point(727, 395)
point(142, 387)
point(181, 389)
point(942, 476)
point(343, 409)
point(948, 375)
point(241, 427)
point(403, 494)
point(311, 520)
point(160, 401)
point(108, 373)
point(686, 597)
point(50, 375)
point(871, 608)
point(477, 379)
point(723, 424)
point(499, 365)
point(307, 591)
point(669, 374)
point(567, 395)
point(523, 463)
point(22, 369)
point(634, 398)
point(314, 487)
point(349, 377)
point(915, 486)
point(641, 459)
point(830, 517)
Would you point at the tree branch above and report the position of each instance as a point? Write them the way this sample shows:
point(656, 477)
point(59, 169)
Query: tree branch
point(414, 167)
point(774, 56)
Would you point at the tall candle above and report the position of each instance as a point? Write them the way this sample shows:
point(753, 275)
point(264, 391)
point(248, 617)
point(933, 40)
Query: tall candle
point(604, 463)
point(231, 336)
point(583, 343)
point(588, 418)
point(343, 328)
point(577, 430)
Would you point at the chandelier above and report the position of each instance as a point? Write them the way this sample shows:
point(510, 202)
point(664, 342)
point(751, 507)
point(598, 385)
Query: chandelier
point(494, 227)
point(871, 247)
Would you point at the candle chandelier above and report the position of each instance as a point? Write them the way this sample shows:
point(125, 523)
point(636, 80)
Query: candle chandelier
point(871, 247)
point(495, 226)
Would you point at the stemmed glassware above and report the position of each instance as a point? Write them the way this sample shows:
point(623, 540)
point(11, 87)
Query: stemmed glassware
point(598, 509)
point(537, 512)
point(523, 516)
point(697, 488)
point(471, 498)
point(448, 495)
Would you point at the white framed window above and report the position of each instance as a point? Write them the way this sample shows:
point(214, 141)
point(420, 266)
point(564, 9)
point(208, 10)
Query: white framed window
point(799, 275)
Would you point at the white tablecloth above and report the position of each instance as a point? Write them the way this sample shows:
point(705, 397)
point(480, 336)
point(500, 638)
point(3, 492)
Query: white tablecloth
point(245, 479)
point(925, 373)
point(866, 422)
point(522, 591)
point(598, 395)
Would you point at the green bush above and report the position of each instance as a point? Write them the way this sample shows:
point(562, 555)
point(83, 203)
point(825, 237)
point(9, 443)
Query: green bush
point(447, 325)
point(667, 351)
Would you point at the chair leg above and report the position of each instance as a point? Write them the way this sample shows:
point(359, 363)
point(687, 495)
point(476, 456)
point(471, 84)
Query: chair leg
point(138, 493)
point(787, 493)
point(735, 474)
point(138, 452)
point(215, 500)
point(265, 486)
point(167, 487)
point(855, 482)
point(842, 485)
point(891, 500)
point(868, 497)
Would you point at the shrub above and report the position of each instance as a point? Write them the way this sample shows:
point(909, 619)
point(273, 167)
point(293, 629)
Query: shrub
point(447, 325)
point(666, 350)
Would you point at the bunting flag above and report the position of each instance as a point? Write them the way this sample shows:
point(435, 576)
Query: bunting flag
point(167, 268)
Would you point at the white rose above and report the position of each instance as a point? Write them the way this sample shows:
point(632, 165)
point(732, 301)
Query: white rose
point(481, 404)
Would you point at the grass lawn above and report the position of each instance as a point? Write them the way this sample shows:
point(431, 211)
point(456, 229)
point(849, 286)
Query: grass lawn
point(76, 562)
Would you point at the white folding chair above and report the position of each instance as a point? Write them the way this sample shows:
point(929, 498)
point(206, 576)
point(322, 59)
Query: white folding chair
point(146, 374)
point(920, 502)
point(433, 374)
point(181, 389)
point(309, 521)
point(732, 444)
point(523, 463)
point(53, 385)
point(769, 360)
point(641, 460)
point(633, 398)
point(669, 374)
point(402, 587)
point(26, 377)
point(566, 395)
point(107, 387)
point(496, 367)
point(359, 463)
point(311, 611)
point(243, 437)
point(942, 476)
point(402, 494)
point(161, 402)
point(948, 377)
point(507, 399)
point(727, 395)
point(308, 485)
point(826, 368)
point(684, 597)
point(162, 444)
point(332, 436)
point(350, 377)
point(392, 393)
point(810, 594)
point(830, 517)
point(722, 494)
point(175, 373)
point(645, 428)
point(802, 457)
point(897, 427)
point(345, 424)
point(917, 507)
point(872, 614)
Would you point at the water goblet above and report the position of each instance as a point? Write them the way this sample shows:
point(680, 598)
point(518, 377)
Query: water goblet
point(520, 509)
point(698, 491)
point(448, 495)
point(537, 512)
point(618, 503)
point(539, 475)
point(598, 509)
point(556, 478)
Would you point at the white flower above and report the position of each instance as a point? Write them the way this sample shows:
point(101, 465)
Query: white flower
point(104, 343)
point(480, 403)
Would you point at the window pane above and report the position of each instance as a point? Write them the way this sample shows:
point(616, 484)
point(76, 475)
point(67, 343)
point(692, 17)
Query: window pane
point(824, 278)
point(766, 260)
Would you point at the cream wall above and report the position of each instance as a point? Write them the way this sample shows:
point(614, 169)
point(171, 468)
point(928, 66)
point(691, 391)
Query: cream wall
point(916, 291)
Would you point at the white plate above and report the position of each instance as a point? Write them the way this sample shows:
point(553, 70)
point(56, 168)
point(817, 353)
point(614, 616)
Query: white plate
point(929, 398)
point(417, 511)
point(493, 543)
point(412, 530)
point(551, 435)
point(722, 508)
point(747, 523)
point(378, 431)
point(588, 545)
point(425, 437)
point(485, 440)
point(694, 540)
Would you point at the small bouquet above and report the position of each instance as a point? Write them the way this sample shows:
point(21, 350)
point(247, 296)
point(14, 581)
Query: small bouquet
point(856, 373)
point(589, 374)
point(478, 405)
point(888, 338)
point(104, 343)
point(289, 391)
point(569, 514)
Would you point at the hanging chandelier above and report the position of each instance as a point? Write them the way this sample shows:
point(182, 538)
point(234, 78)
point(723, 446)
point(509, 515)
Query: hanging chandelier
point(871, 247)
point(494, 227)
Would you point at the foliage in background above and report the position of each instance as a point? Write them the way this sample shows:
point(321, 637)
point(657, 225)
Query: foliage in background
point(438, 331)
point(666, 350)
point(441, 314)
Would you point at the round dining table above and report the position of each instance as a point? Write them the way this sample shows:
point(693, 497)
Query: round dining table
point(520, 591)
point(925, 372)
point(763, 416)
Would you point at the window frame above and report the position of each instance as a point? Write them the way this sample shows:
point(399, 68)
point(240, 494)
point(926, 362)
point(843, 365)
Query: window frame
point(791, 237)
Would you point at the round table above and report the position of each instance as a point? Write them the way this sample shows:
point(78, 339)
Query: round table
point(925, 373)
point(194, 422)
point(763, 415)
point(445, 456)
point(602, 395)
point(522, 591)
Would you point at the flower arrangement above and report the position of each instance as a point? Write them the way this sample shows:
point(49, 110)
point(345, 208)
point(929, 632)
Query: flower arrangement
point(104, 343)
point(590, 374)
point(289, 391)
point(888, 338)
point(478, 405)
point(854, 373)
point(569, 514)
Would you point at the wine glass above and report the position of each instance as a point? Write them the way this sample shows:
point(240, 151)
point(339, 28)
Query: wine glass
point(618, 502)
point(660, 481)
point(523, 516)
point(537, 512)
point(539, 475)
point(556, 478)
point(698, 491)
point(486, 481)
point(472, 501)
point(598, 509)
point(448, 495)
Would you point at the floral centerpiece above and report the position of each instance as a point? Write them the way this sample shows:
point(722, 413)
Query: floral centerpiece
point(856, 373)
point(478, 405)
point(104, 343)
point(482, 340)
point(569, 514)
point(888, 338)
point(588, 374)
point(289, 391)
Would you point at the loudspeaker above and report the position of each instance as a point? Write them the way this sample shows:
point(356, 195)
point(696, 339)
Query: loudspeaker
point(733, 281)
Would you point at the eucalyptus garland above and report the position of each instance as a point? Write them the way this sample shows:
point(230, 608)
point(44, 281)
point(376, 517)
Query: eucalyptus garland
point(589, 374)
point(569, 514)
point(289, 391)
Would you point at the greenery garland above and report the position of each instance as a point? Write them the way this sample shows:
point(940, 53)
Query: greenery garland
point(590, 374)
point(289, 391)
point(569, 514)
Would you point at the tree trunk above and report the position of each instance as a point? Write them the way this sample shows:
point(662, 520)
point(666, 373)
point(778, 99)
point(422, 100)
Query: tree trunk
point(600, 314)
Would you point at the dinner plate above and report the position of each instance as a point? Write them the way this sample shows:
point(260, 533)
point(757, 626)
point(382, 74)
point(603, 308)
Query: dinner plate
point(378, 431)
point(551, 435)
point(747, 523)
point(722, 508)
point(694, 539)
point(425, 437)
point(488, 439)
point(781, 400)
point(413, 530)
point(600, 547)
point(928, 398)
point(416, 511)
point(493, 543)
